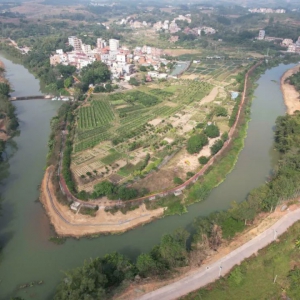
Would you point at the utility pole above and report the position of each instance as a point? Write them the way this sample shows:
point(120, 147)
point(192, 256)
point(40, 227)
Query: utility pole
point(220, 270)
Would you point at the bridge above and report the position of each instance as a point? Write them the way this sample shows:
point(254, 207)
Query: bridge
point(35, 97)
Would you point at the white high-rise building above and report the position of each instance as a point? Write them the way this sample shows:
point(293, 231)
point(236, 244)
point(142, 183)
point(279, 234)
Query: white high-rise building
point(75, 42)
point(261, 35)
point(101, 43)
point(114, 45)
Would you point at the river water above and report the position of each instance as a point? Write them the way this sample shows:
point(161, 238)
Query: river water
point(24, 228)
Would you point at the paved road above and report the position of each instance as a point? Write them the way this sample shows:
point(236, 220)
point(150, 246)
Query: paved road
point(210, 273)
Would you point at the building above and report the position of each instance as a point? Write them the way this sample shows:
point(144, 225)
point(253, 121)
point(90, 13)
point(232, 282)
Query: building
point(75, 42)
point(86, 48)
point(114, 45)
point(261, 35)
point(298, 42)
point(287, 42)
point(291, 48)
point(101, 43)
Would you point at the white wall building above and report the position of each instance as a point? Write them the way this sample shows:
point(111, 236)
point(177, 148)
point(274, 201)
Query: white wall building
point(261, 35)
point(114, 45)
point(75, 42)
point(101, 43)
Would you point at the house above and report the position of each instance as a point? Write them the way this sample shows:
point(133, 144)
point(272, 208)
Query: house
point(75, 205)
point(287, 42)
point(261, 35)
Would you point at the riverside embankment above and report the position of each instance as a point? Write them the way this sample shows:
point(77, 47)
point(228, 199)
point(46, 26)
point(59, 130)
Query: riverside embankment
point(28, 255)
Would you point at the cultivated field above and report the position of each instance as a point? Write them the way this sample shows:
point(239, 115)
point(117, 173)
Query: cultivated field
point(216, 69)
point(125, 136)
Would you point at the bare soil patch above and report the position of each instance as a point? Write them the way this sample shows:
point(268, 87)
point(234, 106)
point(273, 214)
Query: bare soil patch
point(290, 94)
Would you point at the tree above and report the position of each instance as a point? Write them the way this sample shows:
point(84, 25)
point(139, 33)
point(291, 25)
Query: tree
point(212, 131)
point(177, 180)
point(203, 160)
point(4, 89)
point(143, 69)
point(224, 136)
point(146, 265)
point(133, 81)
point(196, 142)
point(68, 82)
point(104, 188)
point(173, 248)
point(221, 111)
point(216, 147)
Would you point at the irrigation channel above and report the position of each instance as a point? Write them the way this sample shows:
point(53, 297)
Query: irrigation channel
point(28, 255)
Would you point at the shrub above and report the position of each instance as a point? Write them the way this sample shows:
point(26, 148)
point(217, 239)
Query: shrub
point(203, 160)
point(177, 180)
point(216, 147)
point(212, 131)
point(196, 143)
point(221, 111)
point(224, 136)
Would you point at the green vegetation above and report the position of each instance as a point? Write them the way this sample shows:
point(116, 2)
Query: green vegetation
point(280, 260)
point(196, 143)
point(114, 192)
point(203, 160)
point(216, 147)
point(295, 80)
point(8, 120)
point(98, 278)
point(178, 180)
point(212, 131)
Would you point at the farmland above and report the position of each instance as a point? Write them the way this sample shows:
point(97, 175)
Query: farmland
point(129, 135)
point(216, 69)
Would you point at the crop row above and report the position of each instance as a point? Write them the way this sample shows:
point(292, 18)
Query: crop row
point(83, 135)
point(91, 142)
point(129, 109)
point(95, 115)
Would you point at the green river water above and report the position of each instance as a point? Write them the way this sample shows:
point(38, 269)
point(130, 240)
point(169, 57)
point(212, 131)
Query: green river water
point(27, 254)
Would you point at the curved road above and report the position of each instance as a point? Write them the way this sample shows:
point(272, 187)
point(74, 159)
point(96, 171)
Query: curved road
point(210, 273)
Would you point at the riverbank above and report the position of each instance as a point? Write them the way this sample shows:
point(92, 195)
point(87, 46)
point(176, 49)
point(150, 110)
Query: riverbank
point(69, 223)
point(150, 289)
point(290, 94)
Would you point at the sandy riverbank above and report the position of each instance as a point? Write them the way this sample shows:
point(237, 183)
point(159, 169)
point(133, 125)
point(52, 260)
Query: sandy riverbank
point(290, 94)
point(68, 223)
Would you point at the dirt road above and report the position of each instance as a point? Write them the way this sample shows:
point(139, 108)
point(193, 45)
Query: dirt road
point(210, 273)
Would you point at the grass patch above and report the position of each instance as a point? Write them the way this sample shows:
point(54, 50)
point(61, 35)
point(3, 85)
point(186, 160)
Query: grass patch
point(109, 159)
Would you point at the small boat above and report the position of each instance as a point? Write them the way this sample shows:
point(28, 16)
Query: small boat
point(64, 99)
point(55, 98)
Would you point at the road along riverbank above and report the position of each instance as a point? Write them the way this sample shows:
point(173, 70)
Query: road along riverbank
point(290, 94)
point(213, 270)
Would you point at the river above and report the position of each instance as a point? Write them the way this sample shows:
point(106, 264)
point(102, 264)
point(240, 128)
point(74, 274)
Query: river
point(24, 228)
